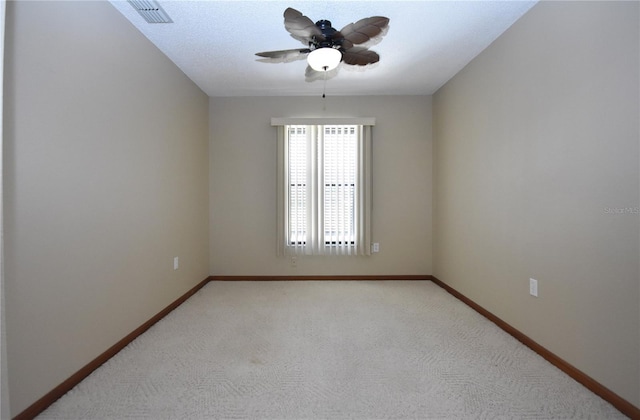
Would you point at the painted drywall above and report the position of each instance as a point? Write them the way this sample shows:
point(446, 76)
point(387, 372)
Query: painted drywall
point(536, 161)
point(243, 185)
point(106, 180)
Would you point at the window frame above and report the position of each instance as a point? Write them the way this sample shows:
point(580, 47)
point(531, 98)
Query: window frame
point(359, 242)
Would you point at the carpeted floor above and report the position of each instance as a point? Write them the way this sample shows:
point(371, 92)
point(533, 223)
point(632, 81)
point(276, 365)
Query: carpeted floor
point(327, 350)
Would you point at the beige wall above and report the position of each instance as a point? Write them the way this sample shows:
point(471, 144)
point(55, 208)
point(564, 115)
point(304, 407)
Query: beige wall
point(106, 181)
point(536, 144)
point(243, 185)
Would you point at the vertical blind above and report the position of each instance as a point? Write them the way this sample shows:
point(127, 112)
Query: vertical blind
point(299, 159)
point(324, 189)
point(339, 145)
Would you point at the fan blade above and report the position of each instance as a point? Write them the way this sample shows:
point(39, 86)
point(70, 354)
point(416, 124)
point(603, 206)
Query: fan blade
point(284, 56)
point(364, 29)
point(301, 27)
point(346, 44)
point(359, 56)
point(311, 75)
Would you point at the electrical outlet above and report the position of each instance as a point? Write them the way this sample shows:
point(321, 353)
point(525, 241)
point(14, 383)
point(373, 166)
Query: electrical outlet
point(533, 287)
point(176, 263)
point(294, 262)
point(375, 247)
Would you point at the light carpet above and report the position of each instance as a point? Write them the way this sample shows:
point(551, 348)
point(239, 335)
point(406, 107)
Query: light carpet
point(327, 350)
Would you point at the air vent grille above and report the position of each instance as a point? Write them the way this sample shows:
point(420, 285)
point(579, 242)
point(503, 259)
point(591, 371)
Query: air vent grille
point(150, 11)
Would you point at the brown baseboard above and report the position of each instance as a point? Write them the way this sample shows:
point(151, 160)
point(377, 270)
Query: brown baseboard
point(320, 277)
point(624, 406)
point(39, 406)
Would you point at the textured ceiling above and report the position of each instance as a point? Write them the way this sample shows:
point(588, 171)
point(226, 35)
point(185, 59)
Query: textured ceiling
point(428, 42)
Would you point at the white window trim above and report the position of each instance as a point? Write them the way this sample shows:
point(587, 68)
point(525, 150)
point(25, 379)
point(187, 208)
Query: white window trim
point(366, 121)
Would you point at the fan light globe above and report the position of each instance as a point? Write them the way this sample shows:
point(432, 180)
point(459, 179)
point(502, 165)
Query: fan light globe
point(324, 59)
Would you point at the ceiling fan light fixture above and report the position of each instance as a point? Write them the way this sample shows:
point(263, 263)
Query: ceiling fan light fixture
point(324, 59)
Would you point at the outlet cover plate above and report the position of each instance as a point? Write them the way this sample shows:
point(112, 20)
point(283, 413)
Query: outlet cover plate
point(533, 287)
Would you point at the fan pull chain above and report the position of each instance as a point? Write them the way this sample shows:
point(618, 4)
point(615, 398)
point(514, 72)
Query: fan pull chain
point(324, 84)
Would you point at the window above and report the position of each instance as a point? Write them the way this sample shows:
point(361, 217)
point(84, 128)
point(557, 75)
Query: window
point(324, 189)
point(335, 158)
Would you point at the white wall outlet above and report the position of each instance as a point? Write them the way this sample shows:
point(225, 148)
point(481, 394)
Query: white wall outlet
point(294, 262)
point(176, 263)
point(533, 287)
point(375, 247)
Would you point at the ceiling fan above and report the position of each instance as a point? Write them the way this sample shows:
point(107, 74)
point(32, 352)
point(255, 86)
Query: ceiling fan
point(327, 47)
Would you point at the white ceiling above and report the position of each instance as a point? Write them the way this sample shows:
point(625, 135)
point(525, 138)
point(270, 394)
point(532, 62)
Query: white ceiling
point(428, 42)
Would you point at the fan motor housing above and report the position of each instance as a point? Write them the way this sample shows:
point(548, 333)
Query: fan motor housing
point(329, 33)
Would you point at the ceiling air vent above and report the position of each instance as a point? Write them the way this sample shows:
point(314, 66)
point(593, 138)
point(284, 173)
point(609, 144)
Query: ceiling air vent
point(151, 11)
